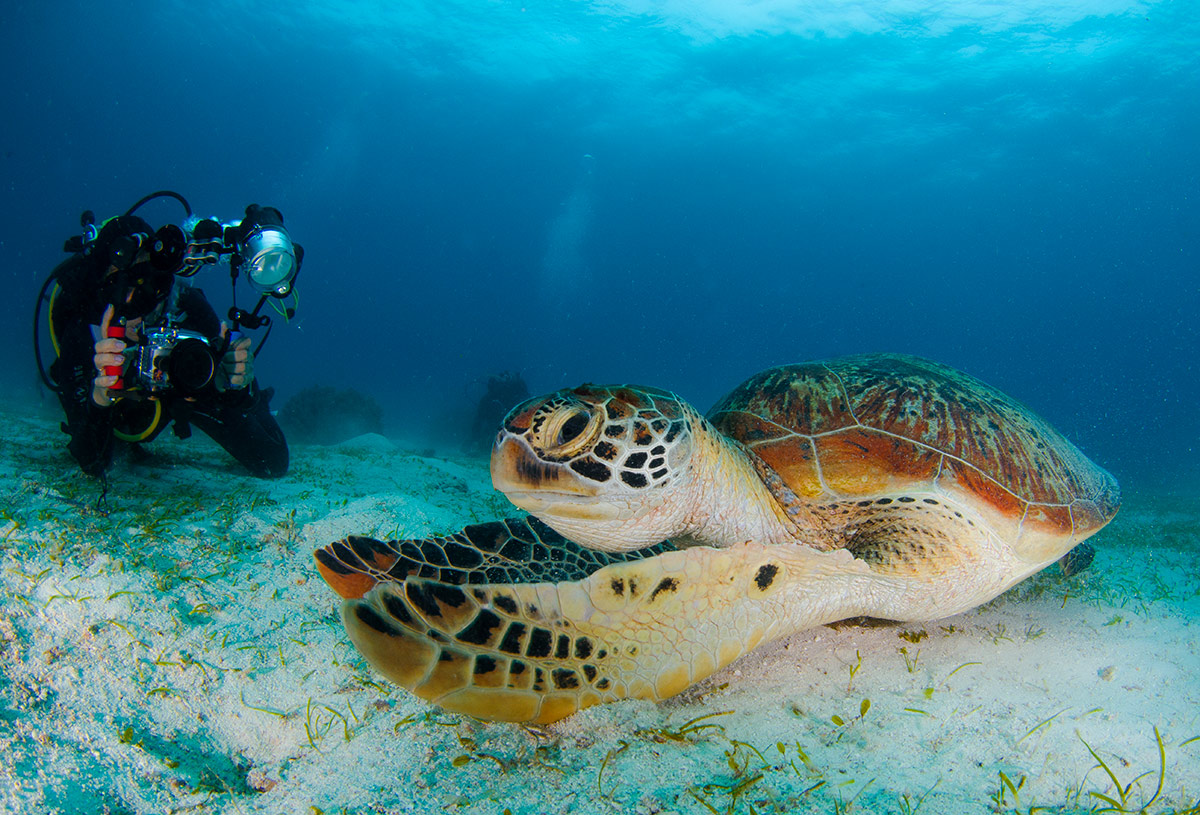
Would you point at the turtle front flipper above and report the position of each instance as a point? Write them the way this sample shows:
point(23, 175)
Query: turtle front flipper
point(515, 550)
point(646, 629)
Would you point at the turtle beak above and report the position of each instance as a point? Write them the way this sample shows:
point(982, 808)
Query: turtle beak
point(517, 471)
point(547, 489)
point(573, 506)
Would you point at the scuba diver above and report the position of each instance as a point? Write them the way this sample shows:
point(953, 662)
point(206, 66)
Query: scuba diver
point(138, 347)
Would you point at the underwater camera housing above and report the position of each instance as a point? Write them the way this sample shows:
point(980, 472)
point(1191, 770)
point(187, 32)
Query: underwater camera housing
point(176, 359)
point(173, 359)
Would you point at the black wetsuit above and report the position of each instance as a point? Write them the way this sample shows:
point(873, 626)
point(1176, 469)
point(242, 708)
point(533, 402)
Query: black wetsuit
point(238, 420)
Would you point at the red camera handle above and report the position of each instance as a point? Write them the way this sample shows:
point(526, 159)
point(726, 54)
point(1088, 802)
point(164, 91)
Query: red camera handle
point(115, 332)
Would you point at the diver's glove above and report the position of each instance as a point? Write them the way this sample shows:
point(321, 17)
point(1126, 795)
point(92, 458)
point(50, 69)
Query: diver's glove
point(109, 360)
point(237, 364)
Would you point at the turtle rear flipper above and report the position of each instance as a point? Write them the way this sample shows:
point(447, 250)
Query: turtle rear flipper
point(514, 550)
point(1078, 559)
point(647, 629)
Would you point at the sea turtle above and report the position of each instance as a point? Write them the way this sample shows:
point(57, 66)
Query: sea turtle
point(666, 543)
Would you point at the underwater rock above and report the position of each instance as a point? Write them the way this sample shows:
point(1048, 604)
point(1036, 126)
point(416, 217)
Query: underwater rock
point(368, 443)
point(322, 414)
point(502, 393)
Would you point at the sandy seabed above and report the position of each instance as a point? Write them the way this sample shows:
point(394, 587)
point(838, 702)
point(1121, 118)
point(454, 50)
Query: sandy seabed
point(178, 653)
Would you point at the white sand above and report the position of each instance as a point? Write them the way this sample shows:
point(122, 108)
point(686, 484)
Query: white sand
point(180, 654)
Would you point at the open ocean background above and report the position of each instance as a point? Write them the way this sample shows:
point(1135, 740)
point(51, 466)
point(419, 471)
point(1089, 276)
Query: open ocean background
point(666, 193)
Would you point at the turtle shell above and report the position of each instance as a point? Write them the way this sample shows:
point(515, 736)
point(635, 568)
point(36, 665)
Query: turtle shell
point(883, 426)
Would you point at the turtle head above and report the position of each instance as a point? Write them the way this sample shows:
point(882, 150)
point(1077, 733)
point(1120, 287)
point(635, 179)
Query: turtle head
point(606, 466)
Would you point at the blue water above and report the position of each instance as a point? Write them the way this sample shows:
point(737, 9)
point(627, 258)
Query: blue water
point(666, 193)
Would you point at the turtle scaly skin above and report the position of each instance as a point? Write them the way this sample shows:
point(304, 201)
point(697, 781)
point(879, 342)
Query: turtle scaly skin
point(883, 486)
point(647, 629)
point(515, 550)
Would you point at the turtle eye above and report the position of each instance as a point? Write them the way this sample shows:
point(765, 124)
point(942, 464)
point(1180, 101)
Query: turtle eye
point(572, 428)
point(569, 431)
